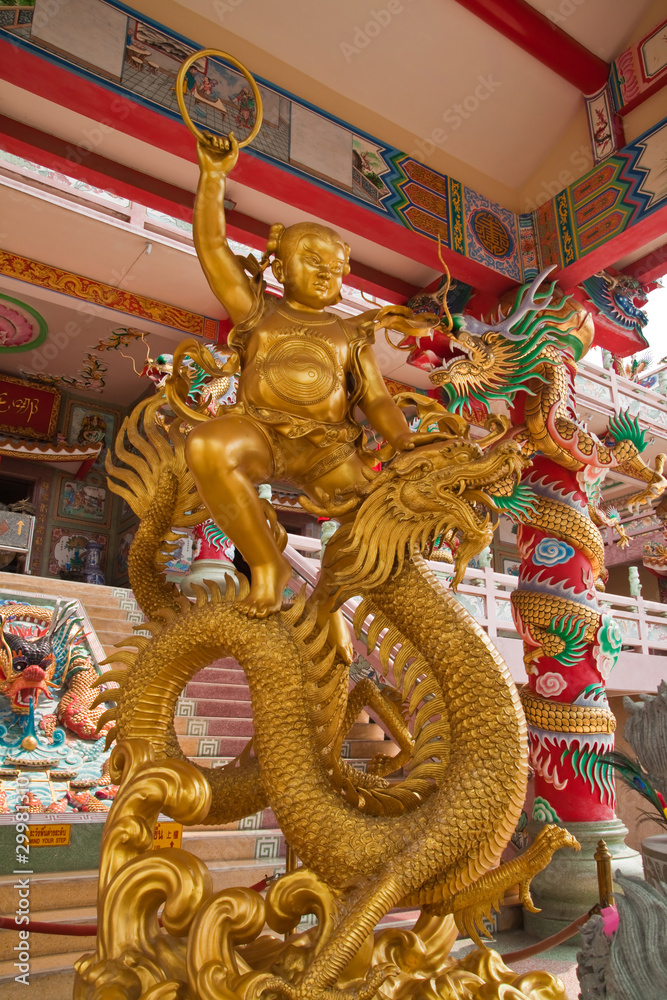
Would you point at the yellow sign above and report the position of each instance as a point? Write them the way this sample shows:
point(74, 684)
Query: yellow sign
point(49, 834)
point(167, 835)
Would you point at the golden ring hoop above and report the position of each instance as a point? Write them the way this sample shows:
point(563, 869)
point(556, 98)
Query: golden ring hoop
point(217, 54)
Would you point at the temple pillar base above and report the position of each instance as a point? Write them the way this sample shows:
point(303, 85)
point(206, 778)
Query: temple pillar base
point(568, 886)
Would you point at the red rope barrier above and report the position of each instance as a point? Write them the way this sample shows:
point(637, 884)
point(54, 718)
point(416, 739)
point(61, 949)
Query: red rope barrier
point(547, 943)
point(73, 930)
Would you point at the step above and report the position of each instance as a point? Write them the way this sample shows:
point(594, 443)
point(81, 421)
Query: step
point(51, 944)
point(213, 708)
point(235, 845)
point(220, 746)
point(51, 890)
point(364, 749)
point(219, 675)
point(51, 976)
point(365, 731)
point(115, 638)
point(213, 690)
point(205, 726)
point(229, 726)
point(49, 584)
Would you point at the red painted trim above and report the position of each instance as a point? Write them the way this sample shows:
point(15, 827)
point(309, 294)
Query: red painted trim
point(541, 38)
point(50, 81)
point(650, 268)
point(649, 229)
point(98, 171)
point(50, 151)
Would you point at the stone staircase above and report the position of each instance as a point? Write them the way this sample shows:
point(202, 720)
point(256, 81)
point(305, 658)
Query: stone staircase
point(214, 720)
point(239, 854)
point(112, 611)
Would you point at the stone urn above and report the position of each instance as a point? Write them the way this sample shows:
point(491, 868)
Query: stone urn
point(654, 856)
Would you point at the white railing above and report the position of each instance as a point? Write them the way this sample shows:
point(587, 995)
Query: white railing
point(605, 391)
point(487, 596)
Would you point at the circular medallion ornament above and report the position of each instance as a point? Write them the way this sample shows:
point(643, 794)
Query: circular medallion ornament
point(21, 327)
point(300, 370)
point(492, 233)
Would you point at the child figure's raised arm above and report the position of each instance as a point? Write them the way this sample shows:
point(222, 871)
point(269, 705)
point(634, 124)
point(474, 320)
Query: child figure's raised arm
point(229, 282)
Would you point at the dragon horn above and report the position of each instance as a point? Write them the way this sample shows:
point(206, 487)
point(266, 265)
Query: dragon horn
point(54, 619)
point(528, 303)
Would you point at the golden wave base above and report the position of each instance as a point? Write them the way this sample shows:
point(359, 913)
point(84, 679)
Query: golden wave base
point(164, 935)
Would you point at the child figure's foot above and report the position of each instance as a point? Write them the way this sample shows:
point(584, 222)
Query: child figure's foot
point(266, 588)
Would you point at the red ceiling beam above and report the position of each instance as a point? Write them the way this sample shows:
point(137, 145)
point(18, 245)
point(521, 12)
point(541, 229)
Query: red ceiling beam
point(541, 38)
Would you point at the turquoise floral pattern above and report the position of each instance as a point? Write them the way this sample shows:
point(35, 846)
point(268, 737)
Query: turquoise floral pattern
point(609, 641)
point(552, 552)
point(544, 812)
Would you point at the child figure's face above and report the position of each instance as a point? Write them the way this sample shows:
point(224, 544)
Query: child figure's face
point(313, 274)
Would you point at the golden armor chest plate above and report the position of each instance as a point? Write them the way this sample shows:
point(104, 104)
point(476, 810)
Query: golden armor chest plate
point(301, 367)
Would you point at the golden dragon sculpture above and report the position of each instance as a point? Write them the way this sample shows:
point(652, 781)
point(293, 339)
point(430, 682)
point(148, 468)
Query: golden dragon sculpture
point(367, 845)
point(434, 838)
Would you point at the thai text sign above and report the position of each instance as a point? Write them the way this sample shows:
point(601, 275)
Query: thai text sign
point(49, 835)
point(28, 410)
point(167, 835)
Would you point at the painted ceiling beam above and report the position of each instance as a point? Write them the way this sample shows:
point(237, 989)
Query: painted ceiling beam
point(544, 40)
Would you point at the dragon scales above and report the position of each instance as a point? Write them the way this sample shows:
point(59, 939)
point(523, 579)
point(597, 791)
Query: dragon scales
point(432, 840)
point(528, 358)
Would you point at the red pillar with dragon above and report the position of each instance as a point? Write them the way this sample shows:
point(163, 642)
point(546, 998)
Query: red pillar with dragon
point(527, 358)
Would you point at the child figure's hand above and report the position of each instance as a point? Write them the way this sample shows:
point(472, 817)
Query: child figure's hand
point(218, 153)
point(412, 439)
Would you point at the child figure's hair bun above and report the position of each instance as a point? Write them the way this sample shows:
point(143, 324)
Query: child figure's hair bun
point(275, 235)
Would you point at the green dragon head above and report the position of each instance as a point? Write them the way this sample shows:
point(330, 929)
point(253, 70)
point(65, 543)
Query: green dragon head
point(504, 356)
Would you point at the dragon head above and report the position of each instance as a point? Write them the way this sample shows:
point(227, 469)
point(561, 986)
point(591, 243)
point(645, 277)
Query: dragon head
point(445, 489)
point(496, 359)
point(27, 666)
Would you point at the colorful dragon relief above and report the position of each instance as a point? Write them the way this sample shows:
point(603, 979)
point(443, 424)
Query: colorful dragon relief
point(616, 300)
point(431, 839)
point(48, 729)
point(527, 358)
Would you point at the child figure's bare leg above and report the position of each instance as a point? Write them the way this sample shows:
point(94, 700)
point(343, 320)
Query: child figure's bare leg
point(346, 474)
point(228, 457)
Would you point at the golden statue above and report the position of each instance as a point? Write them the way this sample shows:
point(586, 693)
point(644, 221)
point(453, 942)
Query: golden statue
point(303, 370)
point(433, 839)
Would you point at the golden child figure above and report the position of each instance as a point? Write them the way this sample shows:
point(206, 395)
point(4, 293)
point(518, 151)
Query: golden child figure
point(303, 371)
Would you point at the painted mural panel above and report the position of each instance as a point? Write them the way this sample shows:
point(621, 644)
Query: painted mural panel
point(88, 424)
point(84, 500)
point(89, 31)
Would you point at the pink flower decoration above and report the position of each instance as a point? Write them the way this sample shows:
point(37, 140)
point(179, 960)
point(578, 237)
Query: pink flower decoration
point(550, 685)
point(609, 916)
point(15, 328)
